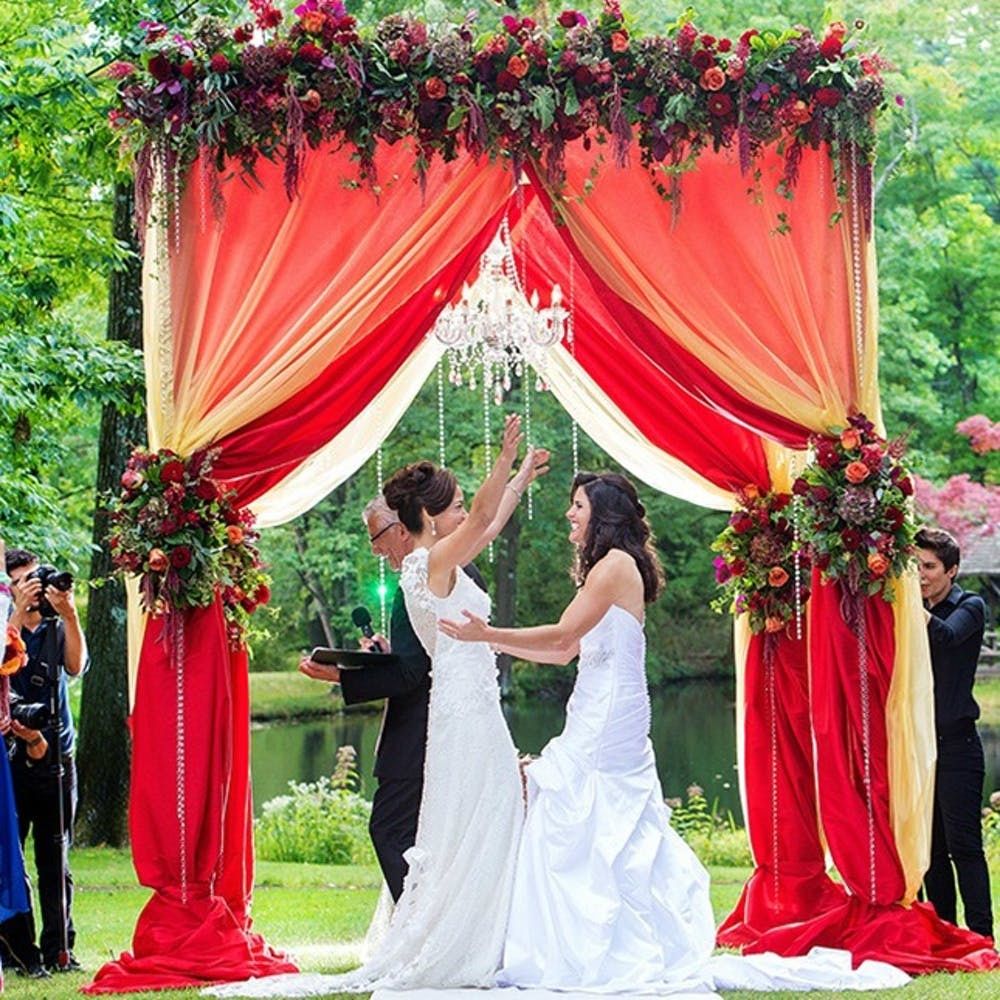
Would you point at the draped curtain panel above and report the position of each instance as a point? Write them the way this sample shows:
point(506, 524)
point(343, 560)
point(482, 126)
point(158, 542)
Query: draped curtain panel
point(289, 334)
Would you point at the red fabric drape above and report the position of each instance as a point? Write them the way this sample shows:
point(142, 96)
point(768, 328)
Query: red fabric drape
point(250, 460)
point(724, 453)
point(192, 851)
point(789, 882)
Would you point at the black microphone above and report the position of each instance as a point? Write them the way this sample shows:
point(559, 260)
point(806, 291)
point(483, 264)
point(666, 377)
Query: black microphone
point(363, 620)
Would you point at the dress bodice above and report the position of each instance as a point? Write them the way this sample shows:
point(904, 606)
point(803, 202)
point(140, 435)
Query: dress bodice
point(608, 715)
point(463, 674)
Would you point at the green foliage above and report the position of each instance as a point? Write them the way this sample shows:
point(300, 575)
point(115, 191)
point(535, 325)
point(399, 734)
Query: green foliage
point(323, 822)
point(712, 835)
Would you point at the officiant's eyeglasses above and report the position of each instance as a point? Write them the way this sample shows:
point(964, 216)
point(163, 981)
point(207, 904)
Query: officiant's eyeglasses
point(372, 539)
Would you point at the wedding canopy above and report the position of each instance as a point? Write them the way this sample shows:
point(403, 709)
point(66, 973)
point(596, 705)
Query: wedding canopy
point(715, 330)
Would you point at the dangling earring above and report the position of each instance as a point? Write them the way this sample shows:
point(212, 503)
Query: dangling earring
point(434, 530)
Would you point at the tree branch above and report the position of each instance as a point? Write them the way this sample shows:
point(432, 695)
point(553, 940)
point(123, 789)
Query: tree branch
point(906, 146)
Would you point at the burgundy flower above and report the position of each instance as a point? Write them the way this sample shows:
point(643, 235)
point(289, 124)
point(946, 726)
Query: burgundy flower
point(851, 538)
point(311, 53)
point(830, 47)
point(180, 557)
point(160, 68)
point(820, 493)
point(506, 81)
point(188, 69)
point(219, 63)
point(905, 486)
point(571, 18)
point(702, 59)
point(800, 487)
point(741, 522)
point(724, 45)
point(720, 105)
point(435, 88)
point(829, 97)
point(172, 472)
point(243, 34)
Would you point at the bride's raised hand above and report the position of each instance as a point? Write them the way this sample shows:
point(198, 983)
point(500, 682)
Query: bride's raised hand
point(473, 629)
point(534, 464)
point(511, 440)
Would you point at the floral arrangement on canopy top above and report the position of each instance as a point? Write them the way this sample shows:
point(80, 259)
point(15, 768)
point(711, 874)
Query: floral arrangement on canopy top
point(275, 85)
point(760, 565)
point(857, 512)
point(186, 539)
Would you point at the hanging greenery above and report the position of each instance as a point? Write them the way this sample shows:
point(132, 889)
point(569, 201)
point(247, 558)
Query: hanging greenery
point(283, 83)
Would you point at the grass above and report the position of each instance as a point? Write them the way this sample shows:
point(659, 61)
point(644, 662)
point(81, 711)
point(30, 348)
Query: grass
point(320, 912)
point(987, 692)
point(291, 695)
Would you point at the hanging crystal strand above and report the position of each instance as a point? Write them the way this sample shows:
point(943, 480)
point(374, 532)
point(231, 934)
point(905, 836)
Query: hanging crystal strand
point(175, 625)
point(796, 514)
point(487, 448)
point(571, 338)
point(381, 561)
point(440, 401)
point(176, 195)
point(529, 441)
point(856, 268)
point(772, 705)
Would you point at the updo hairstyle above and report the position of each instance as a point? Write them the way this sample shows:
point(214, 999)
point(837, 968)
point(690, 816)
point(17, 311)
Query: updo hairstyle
point(421, 486)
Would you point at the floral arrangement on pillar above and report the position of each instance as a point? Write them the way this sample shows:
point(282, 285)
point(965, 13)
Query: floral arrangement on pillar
point(760, 564)
point(282, 82)
point(856, 512)
point(186, 539)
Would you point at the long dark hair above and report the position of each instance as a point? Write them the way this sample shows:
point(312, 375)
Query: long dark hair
point(418, 487)
point(617, 521)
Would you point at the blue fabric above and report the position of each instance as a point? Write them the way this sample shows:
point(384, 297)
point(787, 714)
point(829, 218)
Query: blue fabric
point(13, 894)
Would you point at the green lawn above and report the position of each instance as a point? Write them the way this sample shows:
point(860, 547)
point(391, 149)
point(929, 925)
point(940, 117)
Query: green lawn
point(319, 912)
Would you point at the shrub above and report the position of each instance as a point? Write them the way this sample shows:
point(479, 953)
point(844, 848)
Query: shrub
point(714, 837)
point(324, 822)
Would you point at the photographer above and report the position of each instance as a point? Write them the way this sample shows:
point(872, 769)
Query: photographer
point(42, 763)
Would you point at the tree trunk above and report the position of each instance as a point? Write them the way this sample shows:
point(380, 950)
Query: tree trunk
point(506, 591)
point(103, 756)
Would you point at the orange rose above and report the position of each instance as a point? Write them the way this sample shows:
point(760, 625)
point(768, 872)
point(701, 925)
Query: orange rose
point(619, 41)
point(435, 88)
point(878, 564)
point(714, 78)
point(857, 472)
point(777, 576)
point(158, 560)
point(234, 533)
point(838, 29)
point(850, 439)
point(773, 624)
point(750, 491)
point(517, 66)
point(311, 100)
point(799, 112)
point(313, 21)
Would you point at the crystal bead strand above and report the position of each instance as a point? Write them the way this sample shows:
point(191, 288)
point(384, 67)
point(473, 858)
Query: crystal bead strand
point(487, 448)
point(769, 669)
point(440, 404)
point(571, 338)
point(177, 628)
point(526, 382)
point(797, 562)
point(381, 561)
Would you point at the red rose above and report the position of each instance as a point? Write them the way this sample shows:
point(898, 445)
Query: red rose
point(506, 81)
point(686, 36)
point(243, 33)
point(188, 69)
point(822, 561)
point(741, 522)
point(800, 487)
point(160, 68)
point(248, 604)
point(172, 472)
point(206, 489)
point(713, 79)
point(701, 60)
point(829, 97)
point(583, 76)
point(724, 45)
point(851, 538)
point(720, 105)
point(895, 517)
point(871, 455)
point(737, 567)
point(837, 29)
point(311, 53)
point(262, 594)
point(830, 47)
point(708, 41)
point(905, 486)
point(826, 454)
point(180, 557)
point(435, 88)
point(219, 63)
point(820, 493)
point(781, 500)
point(569, 18)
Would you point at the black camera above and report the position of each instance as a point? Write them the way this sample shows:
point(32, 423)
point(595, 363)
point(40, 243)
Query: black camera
point(49, 577)
point(30, 714)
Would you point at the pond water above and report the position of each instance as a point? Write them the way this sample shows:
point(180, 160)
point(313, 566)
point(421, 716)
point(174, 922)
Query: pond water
point(693, 734)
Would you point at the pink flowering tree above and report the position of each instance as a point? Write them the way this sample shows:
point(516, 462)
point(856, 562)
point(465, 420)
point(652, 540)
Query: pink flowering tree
point(966, 508)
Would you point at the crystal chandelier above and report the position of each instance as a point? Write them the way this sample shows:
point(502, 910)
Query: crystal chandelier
point(493, 329)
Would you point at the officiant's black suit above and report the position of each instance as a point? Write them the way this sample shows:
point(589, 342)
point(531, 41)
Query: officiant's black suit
point(399, 756)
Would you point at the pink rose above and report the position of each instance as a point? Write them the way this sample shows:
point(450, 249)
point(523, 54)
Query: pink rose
point(714, 78)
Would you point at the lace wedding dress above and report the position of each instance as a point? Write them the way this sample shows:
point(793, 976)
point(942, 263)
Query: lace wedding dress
point(448, 927)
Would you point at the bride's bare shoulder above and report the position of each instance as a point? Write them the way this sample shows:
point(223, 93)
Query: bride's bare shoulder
point(615, 565)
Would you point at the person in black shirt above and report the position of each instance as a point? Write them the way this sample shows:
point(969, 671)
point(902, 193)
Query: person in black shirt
point(955, 624)
point(42, 766)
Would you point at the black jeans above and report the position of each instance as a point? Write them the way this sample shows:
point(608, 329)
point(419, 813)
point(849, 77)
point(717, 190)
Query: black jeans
point(957, 834)
point(393, 827)
point(36, 796)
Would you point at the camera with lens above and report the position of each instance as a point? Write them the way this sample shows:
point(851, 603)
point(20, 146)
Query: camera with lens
point(49, 577)
point(30, 714)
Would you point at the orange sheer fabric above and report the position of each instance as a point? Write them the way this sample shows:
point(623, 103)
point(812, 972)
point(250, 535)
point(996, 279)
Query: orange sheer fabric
point(769, 312)
point(264, 298)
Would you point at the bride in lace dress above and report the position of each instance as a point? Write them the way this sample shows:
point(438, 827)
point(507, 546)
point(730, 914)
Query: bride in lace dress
point(606, 896)
point(447, 930)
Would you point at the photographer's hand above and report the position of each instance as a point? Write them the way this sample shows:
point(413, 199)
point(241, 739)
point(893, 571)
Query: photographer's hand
point(37, 745)
point(26, 594)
